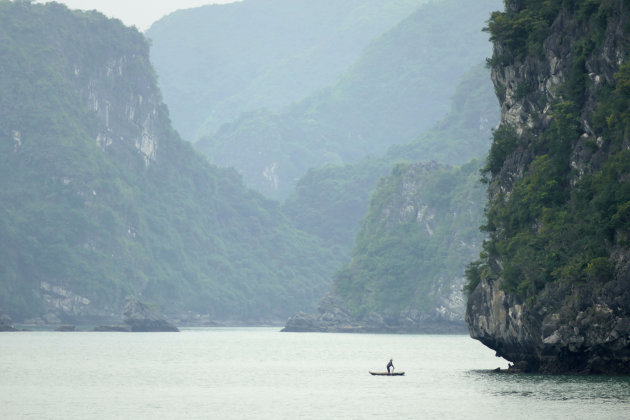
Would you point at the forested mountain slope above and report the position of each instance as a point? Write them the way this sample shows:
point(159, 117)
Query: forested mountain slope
point(399, 87)
point(99, 197)
point(551, 291)
point(217, 61)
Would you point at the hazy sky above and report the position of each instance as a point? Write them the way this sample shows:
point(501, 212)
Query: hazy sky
point(141, 13)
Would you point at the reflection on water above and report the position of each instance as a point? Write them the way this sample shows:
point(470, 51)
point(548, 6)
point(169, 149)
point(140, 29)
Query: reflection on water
point(557, 387)
point(569, 387)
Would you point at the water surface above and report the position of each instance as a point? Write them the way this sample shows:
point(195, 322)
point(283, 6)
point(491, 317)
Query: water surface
point(260, 373)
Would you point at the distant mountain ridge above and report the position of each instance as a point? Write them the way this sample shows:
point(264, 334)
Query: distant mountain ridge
point(399, 87)
point(218, 61)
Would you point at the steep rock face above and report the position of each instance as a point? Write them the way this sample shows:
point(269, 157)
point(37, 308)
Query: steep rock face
point(406, 270)
point(528, 88)
point(589, 332)
point(566, 311)
point(136, 114)
point(80, 106)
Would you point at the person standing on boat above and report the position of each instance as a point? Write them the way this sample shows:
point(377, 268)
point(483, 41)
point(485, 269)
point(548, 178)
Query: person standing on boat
point(390, 365)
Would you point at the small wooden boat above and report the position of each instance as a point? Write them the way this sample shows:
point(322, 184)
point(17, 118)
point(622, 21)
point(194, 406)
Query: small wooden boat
point(387, 374)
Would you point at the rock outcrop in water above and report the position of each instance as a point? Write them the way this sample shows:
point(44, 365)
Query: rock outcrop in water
point(142, 318)
point(551, 292)
point(6, 323)
point(138, 317)
point(66, 328)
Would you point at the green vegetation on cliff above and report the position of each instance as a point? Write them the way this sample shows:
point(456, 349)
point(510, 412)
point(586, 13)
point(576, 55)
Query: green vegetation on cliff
point(420, 230)
point(99, 198)
point(566, 219)
point(522, 29)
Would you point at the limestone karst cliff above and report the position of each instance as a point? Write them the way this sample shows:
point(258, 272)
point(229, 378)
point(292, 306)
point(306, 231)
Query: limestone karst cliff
point(551, 291)
point(406, 269)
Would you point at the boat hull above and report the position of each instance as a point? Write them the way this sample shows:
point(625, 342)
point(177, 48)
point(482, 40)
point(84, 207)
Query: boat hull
point(387, 374)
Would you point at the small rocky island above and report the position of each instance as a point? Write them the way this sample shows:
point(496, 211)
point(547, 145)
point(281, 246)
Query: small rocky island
point(138, 317)
point(6, 323)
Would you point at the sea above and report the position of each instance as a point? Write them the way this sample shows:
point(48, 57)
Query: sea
point(262, 373)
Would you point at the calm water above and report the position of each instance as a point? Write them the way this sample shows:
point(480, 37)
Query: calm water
point(261, 373)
